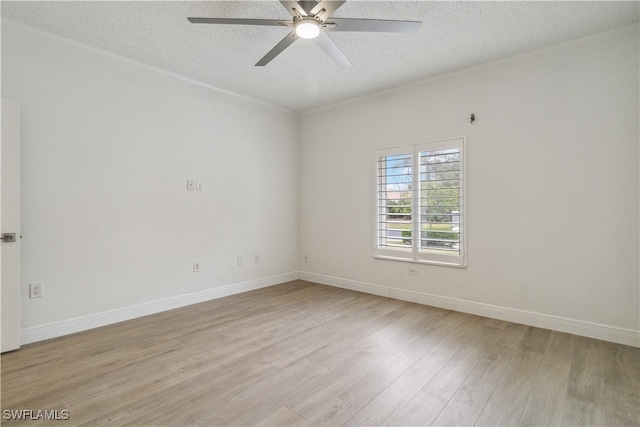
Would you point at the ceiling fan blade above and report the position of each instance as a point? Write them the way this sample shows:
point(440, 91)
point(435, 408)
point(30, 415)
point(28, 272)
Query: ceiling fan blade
point(294, 8)
point(308, 5)
point(277, 50)
point(329, 6)
point(232, 21)
point(373, 25)
point(332, 50)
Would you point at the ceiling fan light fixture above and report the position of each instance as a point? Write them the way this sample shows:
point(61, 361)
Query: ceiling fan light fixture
point(307, 28)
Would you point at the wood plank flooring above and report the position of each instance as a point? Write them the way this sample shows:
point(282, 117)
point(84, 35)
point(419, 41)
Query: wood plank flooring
point(306, 354)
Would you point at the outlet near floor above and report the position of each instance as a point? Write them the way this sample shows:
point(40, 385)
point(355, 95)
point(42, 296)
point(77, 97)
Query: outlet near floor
point(35, 290)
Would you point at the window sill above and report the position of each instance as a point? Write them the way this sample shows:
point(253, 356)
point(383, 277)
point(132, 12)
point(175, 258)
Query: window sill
point(420, 261)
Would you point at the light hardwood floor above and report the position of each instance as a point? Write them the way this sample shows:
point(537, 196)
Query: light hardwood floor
point(307, 354)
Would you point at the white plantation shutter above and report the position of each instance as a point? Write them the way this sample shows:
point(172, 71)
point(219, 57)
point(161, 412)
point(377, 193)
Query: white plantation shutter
point(420, 208)
point(394, 176)
point(441, 198)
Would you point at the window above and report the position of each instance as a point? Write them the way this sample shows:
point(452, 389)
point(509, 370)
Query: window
point(420, 203)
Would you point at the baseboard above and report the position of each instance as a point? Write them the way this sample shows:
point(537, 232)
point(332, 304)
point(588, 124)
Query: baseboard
point(79, 324)
point(577, 327)
point(557, 323)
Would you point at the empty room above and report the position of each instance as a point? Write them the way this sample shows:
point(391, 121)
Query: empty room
point(301, 213)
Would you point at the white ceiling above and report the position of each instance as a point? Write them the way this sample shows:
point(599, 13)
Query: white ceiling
point(454, 35)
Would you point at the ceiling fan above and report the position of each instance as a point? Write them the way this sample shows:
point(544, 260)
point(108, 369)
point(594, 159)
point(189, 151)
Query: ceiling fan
point(311, 20)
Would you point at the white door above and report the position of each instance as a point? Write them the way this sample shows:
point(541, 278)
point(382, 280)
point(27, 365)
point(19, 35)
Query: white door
point(10, 225)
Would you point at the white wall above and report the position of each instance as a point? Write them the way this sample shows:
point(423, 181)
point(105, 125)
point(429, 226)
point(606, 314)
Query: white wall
point(107, 148)
point(552, 185)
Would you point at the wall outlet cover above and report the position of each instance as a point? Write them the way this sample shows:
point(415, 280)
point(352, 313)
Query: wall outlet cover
point(35, 290)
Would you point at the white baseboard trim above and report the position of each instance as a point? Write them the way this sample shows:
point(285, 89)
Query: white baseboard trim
point(557, 323)
point(79, 324)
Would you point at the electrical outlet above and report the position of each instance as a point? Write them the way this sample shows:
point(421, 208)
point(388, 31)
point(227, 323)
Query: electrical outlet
point(306, 258)
point(256, 258)
point(191, 185)
point(196, 266)
point(35, 290)
point(198, 185)
point(240, 260)
point(413, 271)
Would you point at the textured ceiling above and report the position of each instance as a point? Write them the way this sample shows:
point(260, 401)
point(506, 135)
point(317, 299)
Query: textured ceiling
point(454, 35)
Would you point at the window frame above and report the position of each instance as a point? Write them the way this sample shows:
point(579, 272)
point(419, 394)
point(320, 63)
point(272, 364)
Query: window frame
point(415, 255)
